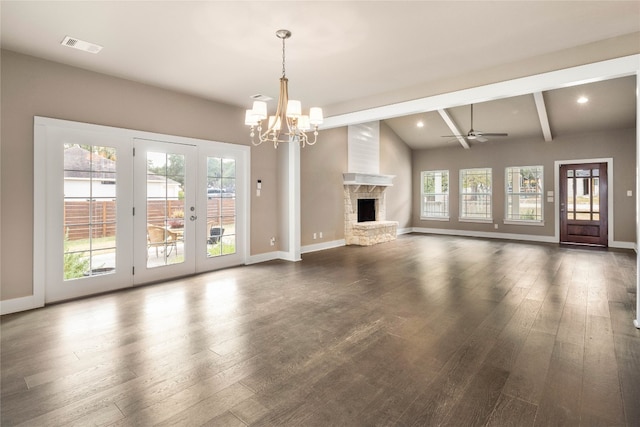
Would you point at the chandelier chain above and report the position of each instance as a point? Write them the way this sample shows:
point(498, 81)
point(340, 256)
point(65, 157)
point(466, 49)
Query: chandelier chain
point(283, 73)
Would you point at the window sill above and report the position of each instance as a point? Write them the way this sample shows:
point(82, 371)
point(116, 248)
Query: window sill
point(434, 218)
point(478, 220)
point(523, 222)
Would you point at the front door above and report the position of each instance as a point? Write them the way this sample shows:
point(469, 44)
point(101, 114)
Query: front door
point(583, 204)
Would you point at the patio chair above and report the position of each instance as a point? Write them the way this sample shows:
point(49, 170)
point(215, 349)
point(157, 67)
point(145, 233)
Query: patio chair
point(215, 233)
point(159, 236)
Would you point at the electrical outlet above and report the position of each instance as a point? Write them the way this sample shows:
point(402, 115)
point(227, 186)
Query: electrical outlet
point(273, 241)
point(495, 226)
point(321, 234)
point(315, 236)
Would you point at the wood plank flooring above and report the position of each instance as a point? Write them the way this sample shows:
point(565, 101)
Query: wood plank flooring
point(425, 330)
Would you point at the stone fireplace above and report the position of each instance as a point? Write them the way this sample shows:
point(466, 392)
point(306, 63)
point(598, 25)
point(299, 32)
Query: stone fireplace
point(368, 228)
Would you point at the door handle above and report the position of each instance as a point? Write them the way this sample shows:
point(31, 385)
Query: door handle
point(193, 217)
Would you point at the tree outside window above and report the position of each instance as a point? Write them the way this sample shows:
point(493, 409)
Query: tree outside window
point(435, 194)
point(475, 194)
point(524, 188)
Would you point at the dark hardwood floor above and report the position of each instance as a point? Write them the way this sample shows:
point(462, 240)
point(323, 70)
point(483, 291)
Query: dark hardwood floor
point(425, 330)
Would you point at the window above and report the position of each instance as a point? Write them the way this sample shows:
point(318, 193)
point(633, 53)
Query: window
point(475, 195)
point(435, 194)
point(524, 193)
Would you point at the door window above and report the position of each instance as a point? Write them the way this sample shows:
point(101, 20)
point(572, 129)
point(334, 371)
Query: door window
point(165, 208)
point(89, 217)
point(221, 206)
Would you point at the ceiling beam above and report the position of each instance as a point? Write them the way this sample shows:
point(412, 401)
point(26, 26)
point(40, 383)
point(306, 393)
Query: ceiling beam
point(542, 115)
point(589, 73)
point(449, 121)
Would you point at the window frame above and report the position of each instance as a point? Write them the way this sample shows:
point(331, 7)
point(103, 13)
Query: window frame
point(489, 204)
point(434, 217)
point(507, 194)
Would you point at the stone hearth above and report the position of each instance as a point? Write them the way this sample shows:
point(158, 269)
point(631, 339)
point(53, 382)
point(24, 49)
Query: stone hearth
point(370, 232)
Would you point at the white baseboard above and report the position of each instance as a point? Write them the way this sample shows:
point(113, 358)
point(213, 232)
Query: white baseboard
point(20, 304)
point(404, 231)
point(267, 256)
point(322, 246)
point(624, 245)
point(511, 236)
point(487, 235)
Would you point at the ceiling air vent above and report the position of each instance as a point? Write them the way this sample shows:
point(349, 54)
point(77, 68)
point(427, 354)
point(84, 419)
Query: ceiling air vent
point(259, 97)
point(81, 45)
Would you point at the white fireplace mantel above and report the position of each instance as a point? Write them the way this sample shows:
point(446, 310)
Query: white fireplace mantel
point(354, 178)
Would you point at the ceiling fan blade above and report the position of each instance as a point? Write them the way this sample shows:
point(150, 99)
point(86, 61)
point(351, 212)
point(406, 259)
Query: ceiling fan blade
point(491, 134)
point(453, 136)
point(481, 138)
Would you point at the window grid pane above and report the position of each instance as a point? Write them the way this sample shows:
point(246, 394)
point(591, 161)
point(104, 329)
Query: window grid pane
point(524, 191)
point(476, 194)
point(435, 194)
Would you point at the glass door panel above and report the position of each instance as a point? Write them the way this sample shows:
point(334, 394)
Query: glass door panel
point(223, 239)
point(165, 222)
point(221, 206)
point(165, 208)
point(89, 220)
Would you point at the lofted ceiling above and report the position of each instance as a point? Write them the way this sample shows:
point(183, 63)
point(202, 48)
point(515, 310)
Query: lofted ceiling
point(343, 56)
point(611, 105)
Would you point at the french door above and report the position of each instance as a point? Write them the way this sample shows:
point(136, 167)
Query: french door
point(114, 208)
point(165, 185)
point(583, 204)
point(86, 212)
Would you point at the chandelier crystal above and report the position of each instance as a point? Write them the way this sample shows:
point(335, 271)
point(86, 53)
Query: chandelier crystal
point(288, 124)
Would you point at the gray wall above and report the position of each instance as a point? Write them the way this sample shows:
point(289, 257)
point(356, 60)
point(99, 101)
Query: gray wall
point(619, 145)
point(395, 159)
point(321, 196)
point(32, 86)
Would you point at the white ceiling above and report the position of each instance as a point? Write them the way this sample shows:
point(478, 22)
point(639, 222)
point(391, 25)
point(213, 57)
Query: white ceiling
point(339, 51)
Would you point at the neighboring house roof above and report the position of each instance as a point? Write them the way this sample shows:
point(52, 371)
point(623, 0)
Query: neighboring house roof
point(78, 163)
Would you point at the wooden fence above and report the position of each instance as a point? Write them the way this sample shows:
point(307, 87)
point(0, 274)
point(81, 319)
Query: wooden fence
point(83, 219)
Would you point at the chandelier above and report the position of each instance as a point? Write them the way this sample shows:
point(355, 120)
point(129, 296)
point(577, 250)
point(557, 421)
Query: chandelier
point(288, 124)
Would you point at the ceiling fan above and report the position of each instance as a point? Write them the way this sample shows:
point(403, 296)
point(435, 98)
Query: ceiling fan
point(476, 135)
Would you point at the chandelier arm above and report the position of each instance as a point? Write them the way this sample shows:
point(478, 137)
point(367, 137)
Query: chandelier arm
point(315, 136)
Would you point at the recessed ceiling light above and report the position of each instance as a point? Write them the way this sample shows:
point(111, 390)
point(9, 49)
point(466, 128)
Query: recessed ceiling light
point(583, 100)
point(420, 124)
point(81, 45)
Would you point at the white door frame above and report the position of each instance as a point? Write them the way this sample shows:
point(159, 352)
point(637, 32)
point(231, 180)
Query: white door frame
point(41, 206)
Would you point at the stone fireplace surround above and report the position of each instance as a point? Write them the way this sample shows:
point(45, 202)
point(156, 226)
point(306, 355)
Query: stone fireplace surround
point(371, 232)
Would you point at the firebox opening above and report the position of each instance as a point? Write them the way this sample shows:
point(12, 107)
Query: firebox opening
point(366, 210)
